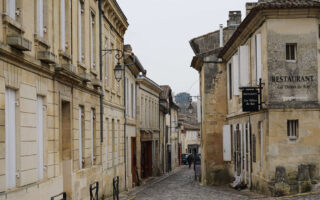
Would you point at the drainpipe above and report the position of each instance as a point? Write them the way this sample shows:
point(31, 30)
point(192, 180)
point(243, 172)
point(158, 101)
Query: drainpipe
point(100, 64)
point(221, 35)
point(125, 123)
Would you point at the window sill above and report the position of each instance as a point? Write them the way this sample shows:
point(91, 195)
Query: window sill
point(43, 42)
point(64, 55)
point(293, 138)
point(82, 66)
point(17, 25)
point(93, 71)
point(291, 61)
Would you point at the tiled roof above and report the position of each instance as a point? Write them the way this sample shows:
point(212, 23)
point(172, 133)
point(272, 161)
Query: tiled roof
point(271, 4)
point(288, 4)
point(165, 91)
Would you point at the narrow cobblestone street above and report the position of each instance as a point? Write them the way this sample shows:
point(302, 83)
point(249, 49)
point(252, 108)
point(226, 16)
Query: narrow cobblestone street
point(181, 186)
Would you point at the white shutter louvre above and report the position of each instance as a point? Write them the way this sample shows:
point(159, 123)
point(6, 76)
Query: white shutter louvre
point(80, 31)
point(226, 143)
point(40, 17)
point(91, 40)
point(63, 24)
point(10, 126)
point(235, 74)
point(80, 137)
point(92, 138)
point(11, 8)
point(258, 57)
point(244, 66)
point(40, 136)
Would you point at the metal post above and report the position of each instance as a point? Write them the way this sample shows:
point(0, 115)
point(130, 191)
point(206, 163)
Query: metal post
point(125, 121)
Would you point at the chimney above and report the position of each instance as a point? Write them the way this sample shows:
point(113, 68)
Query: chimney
point(250, 6)
point(234, 21)
point(221, 35)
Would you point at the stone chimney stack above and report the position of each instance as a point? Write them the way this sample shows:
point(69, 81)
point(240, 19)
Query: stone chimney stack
point(234, 21)
point(249, 6)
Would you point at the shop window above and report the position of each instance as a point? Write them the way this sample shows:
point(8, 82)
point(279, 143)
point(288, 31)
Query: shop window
point(293, 129)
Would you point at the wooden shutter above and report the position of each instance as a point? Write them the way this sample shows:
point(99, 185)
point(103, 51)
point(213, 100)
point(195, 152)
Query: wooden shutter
point(258, 57)
point(10, 126)
point(63, 24)
point(244, 66)
point(226, 143)
point(40, 136)
point(254, 152)
point(235, 74)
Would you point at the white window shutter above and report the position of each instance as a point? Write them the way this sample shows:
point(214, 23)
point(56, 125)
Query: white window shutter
point(235, 74)
point(40, 17)
point(92, 138)
point(258, 57)
point(134, 100)
point(244, 66)
point(11, 8)
point(10, 140)
point(91, 41)
point(226, 143)
point(80, 137)
point(40, 136)
point(80, 31)
point(63, 24)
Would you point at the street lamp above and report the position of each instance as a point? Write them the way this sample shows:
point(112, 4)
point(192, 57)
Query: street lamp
point(118, 72)
point(190, 107)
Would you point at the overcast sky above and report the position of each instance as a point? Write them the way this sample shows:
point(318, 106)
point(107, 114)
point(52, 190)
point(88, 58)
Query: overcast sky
point(160, 31)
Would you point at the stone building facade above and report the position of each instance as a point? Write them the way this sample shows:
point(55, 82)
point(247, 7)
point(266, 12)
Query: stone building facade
point(149, 127)
point(51, 84)
point(275, 149)
point(213, 100)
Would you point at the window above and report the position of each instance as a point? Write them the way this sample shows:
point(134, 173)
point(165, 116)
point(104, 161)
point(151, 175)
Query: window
point(80, 31)
point(92, 40)
point(119, 141)
point(40, 136)
point(93, 136)
point(230, 80)
point(11, 8)
point(10, 139)
point(40, 25)
point(81, 137)
point(132, 100)
point(293, 129)
point(106, 45)
point(63, 24)
point(291, 51)
point(106, 142)
point(257, 58)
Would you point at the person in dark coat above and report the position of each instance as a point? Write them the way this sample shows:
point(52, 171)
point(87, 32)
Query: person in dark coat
point(190, 159)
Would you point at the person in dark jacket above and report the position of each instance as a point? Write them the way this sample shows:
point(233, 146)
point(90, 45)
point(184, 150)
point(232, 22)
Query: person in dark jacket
point(190, 159)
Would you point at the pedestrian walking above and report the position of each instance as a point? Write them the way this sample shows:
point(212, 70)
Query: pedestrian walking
point(190, 159)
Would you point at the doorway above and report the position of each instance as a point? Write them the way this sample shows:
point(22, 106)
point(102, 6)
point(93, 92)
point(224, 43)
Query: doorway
point(134, 162)
point(146, 159)
point(66, 148)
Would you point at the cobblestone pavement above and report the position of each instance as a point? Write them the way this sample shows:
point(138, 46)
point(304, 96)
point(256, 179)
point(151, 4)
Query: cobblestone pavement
point(181, 186)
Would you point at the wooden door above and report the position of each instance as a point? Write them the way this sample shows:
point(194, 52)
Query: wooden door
point(134, 161)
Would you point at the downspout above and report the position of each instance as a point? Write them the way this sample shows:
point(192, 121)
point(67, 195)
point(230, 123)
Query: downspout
point(125, 123)
point(100, 64)
point(159, 144)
